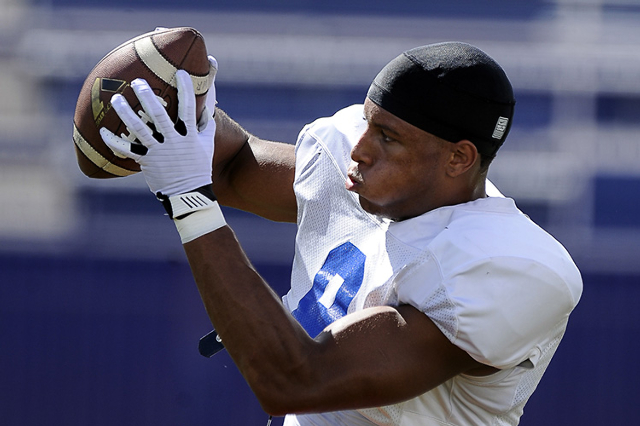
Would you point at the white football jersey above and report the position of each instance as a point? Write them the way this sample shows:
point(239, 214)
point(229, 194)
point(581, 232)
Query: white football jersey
point(496, 284)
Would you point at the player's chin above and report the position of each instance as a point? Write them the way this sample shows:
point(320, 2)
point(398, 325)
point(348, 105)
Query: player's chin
point(387, 211)
point(371, 207)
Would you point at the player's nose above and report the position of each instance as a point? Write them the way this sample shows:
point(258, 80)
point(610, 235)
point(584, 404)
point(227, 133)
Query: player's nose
point(362, 152)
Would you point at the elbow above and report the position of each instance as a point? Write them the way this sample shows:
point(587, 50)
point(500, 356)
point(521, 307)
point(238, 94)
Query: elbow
point(275, 402)
point(281, 392)
point(275, 409)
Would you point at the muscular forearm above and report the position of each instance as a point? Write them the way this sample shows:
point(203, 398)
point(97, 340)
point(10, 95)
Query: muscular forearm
point(266, 343)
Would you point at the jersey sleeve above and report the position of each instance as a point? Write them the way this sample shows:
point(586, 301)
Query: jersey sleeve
point(306, 147)
point(502, 311)
point(333, 135)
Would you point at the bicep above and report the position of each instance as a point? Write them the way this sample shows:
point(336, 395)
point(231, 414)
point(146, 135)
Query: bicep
point(255, 175)
point(380, 356)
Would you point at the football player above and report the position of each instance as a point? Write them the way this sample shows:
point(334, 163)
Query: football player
point(419, 295)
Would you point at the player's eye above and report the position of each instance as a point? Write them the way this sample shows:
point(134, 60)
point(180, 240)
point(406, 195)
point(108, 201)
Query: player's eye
point(385, 137)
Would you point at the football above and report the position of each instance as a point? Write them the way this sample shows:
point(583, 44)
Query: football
point(155, 57)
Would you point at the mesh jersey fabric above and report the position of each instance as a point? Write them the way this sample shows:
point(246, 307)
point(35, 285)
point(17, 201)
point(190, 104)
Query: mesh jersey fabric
point(496, 284)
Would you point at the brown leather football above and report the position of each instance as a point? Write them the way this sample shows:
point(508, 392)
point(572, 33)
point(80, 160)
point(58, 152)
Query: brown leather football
point(155, 57)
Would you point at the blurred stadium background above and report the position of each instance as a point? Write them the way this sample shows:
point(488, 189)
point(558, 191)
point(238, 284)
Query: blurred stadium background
point(99, 316)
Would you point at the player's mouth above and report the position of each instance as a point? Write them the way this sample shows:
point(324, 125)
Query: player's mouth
point(354, 179)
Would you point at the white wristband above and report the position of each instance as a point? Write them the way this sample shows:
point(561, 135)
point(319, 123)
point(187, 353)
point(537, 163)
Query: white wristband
point(200, 222)
point(190, 202)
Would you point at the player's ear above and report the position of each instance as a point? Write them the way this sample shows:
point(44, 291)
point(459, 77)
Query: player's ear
point(464, 155)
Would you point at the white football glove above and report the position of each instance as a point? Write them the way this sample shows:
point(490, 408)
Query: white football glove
point(174, 159)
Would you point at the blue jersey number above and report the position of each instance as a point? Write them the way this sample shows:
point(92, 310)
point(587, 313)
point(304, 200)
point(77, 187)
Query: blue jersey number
point(334, 287)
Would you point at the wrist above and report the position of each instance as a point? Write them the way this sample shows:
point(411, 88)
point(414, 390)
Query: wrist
point(181, 205)
point(200, 222)
point(194, 213)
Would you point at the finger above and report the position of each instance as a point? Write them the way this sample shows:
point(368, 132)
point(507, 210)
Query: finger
point(186, 99)
point(213, 67)
point(204, 118)
point(210, 103)
point(121, 147)
point(130, 119)
point(152, 106)
point(208, 132)
point(211, 94)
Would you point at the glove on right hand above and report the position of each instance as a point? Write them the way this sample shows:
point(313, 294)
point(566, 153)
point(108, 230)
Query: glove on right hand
point(175, 159)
